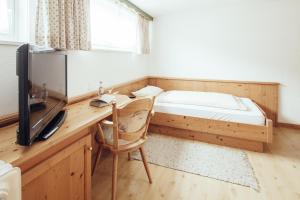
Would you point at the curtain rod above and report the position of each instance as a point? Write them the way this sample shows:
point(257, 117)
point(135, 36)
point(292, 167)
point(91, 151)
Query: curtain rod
point(137, 9)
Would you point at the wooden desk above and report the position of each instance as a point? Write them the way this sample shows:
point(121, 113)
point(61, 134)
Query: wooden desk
point(60, 167)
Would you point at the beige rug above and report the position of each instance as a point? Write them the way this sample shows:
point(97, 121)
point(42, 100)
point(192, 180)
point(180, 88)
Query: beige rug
point(221, 163)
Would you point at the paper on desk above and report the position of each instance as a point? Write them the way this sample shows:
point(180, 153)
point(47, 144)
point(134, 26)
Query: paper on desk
point(107, 98)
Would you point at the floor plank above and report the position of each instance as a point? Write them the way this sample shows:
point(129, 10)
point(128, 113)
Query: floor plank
point(277, 170)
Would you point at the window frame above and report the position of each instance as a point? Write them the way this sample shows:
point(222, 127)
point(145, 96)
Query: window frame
point(20, 21)
point(11, 35)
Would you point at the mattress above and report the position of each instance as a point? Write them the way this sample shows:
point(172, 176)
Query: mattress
point(252, 115)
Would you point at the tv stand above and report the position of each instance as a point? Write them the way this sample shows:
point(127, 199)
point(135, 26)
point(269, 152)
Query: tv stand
point(53, 126)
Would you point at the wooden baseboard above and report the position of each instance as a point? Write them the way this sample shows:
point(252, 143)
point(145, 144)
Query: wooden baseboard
point(6, 120)
point(208, 138)
point(287, 125)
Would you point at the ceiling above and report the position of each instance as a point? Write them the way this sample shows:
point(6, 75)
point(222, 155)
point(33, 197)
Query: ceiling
point(161, 7)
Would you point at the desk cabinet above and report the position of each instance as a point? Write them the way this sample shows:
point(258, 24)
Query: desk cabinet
point(65, 175)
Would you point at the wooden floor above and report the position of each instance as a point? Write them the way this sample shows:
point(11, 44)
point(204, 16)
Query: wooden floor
point(277, 170)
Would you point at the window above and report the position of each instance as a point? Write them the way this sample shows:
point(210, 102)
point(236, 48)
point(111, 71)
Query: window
point(113, 26)
point(6, 19)
point(15, 22)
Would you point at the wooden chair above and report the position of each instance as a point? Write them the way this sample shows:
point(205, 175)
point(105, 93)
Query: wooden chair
point(126, 133)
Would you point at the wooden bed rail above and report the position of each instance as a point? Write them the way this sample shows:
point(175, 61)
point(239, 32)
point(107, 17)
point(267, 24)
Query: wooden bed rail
point(258, 133)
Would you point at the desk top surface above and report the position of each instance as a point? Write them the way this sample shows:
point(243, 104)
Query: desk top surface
point(80, 117)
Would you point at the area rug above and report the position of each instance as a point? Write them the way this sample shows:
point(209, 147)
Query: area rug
point(213, 161)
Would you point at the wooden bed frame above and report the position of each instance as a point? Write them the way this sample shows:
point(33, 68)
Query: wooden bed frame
point(246, 136)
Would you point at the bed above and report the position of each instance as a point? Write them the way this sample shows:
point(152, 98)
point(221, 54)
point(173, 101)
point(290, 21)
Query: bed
point(246, 128)
point(251, 130)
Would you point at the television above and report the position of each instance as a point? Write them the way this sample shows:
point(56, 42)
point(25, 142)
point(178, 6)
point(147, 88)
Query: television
point(42, 82)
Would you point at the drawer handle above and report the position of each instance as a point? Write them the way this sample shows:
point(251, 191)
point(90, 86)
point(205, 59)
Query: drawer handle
point(90, 148)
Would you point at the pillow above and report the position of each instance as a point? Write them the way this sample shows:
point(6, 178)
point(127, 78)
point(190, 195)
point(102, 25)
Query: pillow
point(148, 91)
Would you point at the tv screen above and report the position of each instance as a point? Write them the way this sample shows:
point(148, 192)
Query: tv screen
point(42, 90)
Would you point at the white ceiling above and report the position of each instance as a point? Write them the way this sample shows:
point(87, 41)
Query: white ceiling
point(161, 7)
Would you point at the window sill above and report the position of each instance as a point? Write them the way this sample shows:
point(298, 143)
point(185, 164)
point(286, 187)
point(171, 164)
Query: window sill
point(11, 43)
point(111, 49)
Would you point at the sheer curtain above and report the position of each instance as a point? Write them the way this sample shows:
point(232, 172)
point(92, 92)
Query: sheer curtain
point(143, 38)
point(63, 24)
point(68, 24)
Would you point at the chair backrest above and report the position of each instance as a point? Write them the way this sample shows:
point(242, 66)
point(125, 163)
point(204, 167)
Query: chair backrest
point(130, 123)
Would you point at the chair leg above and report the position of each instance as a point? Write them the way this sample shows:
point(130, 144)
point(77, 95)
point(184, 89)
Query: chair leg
point(129, 156)
point(100, 148)
point(145, 164)
point(115, 176)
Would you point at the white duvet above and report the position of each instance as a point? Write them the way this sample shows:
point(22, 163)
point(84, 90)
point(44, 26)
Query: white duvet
point(210, 99)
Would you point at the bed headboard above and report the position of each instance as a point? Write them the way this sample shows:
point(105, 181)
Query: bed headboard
point(265, 94)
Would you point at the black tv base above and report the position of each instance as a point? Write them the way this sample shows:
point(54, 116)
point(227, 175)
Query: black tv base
point(53, 126)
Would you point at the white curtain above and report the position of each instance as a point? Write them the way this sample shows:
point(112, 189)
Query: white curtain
point(63, 24)
point(143, 39)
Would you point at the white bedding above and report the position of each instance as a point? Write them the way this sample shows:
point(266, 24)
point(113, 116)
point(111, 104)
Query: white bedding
point(210, 99)
point(252, 115)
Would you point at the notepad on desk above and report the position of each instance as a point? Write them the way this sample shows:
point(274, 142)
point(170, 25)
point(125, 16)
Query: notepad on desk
point(102, 101)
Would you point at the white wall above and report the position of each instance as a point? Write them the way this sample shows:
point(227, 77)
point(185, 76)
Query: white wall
point(85, 70)
point(255, 41)
point(8, 80)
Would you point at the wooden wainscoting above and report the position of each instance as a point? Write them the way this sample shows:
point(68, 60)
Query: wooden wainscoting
point(265, 94)
point(287, 125)
point(123, 88)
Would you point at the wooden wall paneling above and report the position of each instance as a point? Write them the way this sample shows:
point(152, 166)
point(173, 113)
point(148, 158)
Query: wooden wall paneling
point(79, 98)
point(123, 88)
point(130, 86)
point(287, 125)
